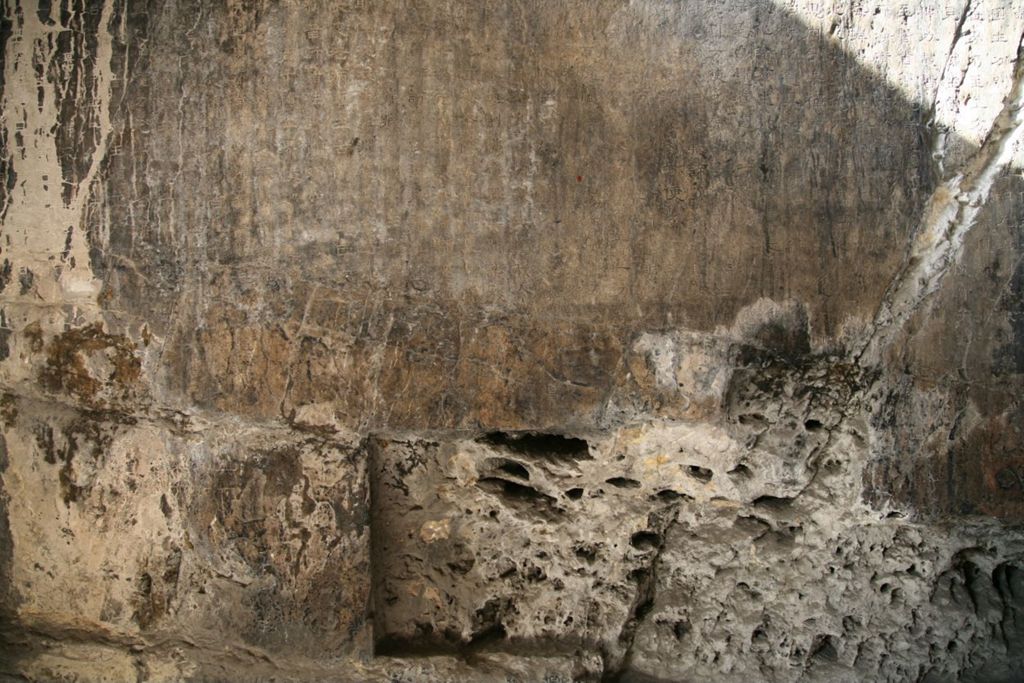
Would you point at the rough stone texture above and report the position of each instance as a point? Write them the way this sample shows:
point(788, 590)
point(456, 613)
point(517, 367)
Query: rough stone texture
point(643, 340)
point(274, 554)
point(471, 549)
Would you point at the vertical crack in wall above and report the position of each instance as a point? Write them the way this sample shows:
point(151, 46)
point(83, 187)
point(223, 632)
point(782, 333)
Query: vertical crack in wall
point(949, 215)
point(617, 664)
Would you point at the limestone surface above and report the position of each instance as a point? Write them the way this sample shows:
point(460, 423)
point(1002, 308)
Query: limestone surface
point(545, 340)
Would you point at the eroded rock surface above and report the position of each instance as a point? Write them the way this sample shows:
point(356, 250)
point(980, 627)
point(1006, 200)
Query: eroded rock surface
point(457, 341)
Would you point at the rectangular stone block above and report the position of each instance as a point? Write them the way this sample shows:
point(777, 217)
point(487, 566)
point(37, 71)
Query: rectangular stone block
point(510, 541)
point(221, 529)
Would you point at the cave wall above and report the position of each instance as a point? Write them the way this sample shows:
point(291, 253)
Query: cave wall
point(513, 341)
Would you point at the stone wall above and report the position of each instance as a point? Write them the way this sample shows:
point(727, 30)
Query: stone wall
point(446, 340)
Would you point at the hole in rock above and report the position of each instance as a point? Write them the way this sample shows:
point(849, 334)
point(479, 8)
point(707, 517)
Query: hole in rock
point(669, 495)
point(645, 540)
point(680, 629)
point(575, 493)
point(533, 444)
point(700, 473)
point(772, 502)
point(813, 425)
point(741, 471)
point(824, 649)
point(623, 482)
point(462, 565)
point(535, 574)
point(510, 467)
point(519, 496)
point(753, 420)
point(639, 574)
point(586, 552)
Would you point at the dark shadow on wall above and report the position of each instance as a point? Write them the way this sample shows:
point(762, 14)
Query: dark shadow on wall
point(461, 216)
point(7, 602)
point(486, 202)
point(658, 164)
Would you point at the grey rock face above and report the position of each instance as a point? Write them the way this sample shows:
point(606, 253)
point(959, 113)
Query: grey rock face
point(536, 341)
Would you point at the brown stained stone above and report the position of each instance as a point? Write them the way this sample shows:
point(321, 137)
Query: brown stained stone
point(92, 366)
point(988, 469)
point(295, 518)
point(424, 373)
point(244, 365)
point(698, 192)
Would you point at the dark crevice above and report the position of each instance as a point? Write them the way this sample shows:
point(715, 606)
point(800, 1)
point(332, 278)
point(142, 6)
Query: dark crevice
point(741, 471)
point(617, 666)
point(753, 420)
point(645, 540)
point(540, 445)
point(488, 636)
point(813, 425)
point(824, 649)
point(700, 473)
point(669, 495)
point(520, 496)
point(772, 502)
point(681, 628)
point(510, 467)
point(586, 551)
